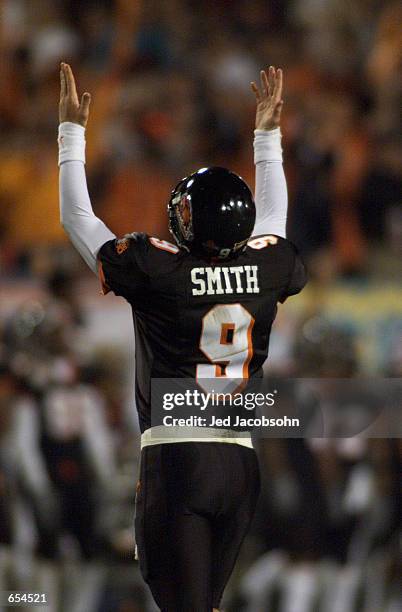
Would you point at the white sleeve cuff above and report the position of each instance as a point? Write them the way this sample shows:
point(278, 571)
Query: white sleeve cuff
point(71, 142)
point(267, 145)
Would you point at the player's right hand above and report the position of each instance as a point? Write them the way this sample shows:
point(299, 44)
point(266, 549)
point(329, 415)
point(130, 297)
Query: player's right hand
point(70, 108)
point(268, 99)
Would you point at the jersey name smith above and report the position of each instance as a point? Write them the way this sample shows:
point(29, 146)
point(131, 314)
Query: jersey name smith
point(224, 280)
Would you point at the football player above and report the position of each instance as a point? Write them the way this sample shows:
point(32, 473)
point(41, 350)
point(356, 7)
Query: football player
point(203, 307)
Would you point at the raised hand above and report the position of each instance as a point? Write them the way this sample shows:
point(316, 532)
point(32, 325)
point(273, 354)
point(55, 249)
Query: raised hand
point(269, 99)
point(70, 108)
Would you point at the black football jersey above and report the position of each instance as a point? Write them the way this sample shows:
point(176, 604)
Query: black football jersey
point(194, 319)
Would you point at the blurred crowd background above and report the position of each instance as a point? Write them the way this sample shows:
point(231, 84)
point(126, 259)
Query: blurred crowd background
point(170, 90)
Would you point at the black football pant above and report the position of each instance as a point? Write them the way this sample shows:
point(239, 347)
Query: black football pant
point(195, 502)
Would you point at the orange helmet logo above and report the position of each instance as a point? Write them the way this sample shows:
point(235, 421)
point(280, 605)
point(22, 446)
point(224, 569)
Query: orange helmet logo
point(184, 215)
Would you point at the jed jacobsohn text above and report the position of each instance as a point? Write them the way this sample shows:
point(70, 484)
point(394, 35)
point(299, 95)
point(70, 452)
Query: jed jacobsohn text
point(197, 399)
point(230, 421)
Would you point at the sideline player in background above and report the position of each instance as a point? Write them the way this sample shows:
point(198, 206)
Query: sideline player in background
point(202, 308)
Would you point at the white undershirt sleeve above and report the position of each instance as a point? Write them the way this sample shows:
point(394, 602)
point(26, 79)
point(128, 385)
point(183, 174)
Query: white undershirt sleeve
point(271, 196)
point(86, 231)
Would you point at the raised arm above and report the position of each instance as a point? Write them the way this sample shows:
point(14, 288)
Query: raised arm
point(86, 231)
point(271, 197)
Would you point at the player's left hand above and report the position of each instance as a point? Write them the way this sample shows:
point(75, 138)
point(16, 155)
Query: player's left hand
point(70, 108)
point(269, 99)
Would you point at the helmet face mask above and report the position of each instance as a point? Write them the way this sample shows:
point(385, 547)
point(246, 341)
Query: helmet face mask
point(212, 213)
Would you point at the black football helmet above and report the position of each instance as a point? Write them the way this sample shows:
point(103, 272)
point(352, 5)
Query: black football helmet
point(212, 213)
